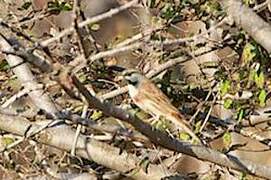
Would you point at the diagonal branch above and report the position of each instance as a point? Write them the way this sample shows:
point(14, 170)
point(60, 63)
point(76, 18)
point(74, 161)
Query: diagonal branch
point(164, 140)
point(88, 21)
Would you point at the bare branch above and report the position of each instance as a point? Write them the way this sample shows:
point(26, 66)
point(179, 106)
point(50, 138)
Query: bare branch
point(91, 149)
point(25, 76)
point(162, 139)
point(88, 21)
point(253, 24)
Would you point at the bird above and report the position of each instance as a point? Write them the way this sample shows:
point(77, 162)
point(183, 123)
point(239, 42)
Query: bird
point(149, 98)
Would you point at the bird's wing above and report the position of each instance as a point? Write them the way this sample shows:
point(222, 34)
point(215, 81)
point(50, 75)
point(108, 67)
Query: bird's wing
point(156, 98)
point(156, 102)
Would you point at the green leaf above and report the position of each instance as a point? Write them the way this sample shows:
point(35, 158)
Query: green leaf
point(95, 27)
point(7, 140)
point(144, 164)
point(96, 115)
point(243, 176)
point(249, 2)
point(227, 139)
point(225, 87)
point(184, 136)
point(259, 80)
point(161, 124)
point(197, 126)
point(252, 74)
point(262, 97)
point(227, 103)
point(66, 6)
point(56, 6)
point(211, 7)
point(249, 52)
point(240, 115)
point(3, 65)
point(168, 11)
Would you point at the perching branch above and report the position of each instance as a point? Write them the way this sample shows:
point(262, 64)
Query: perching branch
point(166, 141)
point(91, 149)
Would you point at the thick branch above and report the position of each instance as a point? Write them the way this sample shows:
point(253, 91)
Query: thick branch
point(27, 79)
point(88, 148)
point(253, 24)
point(166, 141)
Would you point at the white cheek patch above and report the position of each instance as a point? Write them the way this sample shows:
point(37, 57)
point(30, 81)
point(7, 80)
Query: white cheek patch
point(132, 90)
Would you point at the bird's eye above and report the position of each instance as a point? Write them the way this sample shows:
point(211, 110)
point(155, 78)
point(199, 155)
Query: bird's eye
point(133, 80)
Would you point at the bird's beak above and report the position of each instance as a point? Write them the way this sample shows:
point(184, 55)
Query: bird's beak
point(124, 75)
point(127, 78)
point(120, 77)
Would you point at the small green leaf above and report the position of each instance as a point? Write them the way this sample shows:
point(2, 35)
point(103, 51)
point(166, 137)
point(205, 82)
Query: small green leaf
point(259, 80)
point(82, 77)
point(227, 139)
point(66, 6)
point(184, 136)
point(197, 126)
point(4, 65)
point(243, 176)
point(262, 97)
point(225, 87)
point(240, 115)
point(249, 2)
point(161, 124)
point(95, 27)
point(227, 103)
point(168, 11)
point(151, 3)
point(144, 164)
point(249, 52)
point(7, 140)
point(96, 115)
point(211, 7)
point(252, 74)
point(56, 6)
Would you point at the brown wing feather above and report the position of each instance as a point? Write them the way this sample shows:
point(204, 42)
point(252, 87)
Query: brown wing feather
point(151, 92)
point(151, 99)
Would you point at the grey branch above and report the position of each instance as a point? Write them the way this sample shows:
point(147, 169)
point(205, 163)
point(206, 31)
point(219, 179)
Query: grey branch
point(88, 148)
point(162, 139)
point(253, 24)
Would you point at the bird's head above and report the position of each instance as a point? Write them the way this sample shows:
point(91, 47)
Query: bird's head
point(133, 77)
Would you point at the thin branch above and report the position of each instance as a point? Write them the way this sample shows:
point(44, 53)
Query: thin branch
point(115, 51)
point(78, 130)
point(119, 48)
point(88, 21)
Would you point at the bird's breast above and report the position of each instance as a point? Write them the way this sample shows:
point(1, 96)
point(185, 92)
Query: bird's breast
point(132, 91)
